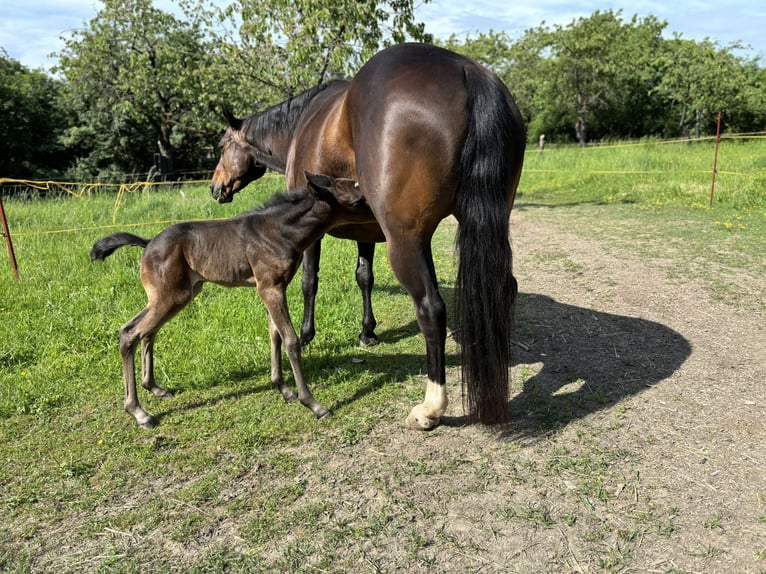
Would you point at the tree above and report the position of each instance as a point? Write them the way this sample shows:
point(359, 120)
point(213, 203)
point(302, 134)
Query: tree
point(275, 49)
point(30, 122)
point(137, 81)
point(699, 79)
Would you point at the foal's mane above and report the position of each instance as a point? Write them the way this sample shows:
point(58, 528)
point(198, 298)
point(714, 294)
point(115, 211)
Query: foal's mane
point(282, 198)
point(282, 117)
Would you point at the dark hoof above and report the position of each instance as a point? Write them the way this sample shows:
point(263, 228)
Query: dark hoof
point(324, 414)
point(306, 339)
point(365, 341)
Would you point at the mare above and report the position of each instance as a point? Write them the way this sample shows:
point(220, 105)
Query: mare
point(260, 248)
point(427, 133)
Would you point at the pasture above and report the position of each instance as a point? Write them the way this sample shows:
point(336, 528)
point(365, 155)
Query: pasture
point(637, 439)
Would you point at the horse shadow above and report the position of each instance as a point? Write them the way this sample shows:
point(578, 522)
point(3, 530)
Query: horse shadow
point(569, 361)
point(574, 361)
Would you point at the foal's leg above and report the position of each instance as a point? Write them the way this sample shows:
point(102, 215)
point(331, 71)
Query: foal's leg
point(412, 262)
point(366, 281)
point(147, 368)
point(147, 353)
point(310, 285)
point(130, 335)
point(276, 304)
point(158, 311)
point(276, 363)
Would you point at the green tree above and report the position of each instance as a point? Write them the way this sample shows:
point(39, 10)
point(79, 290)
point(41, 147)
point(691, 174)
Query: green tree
point(275, 49)
point(137, 80)
point(30, 122)
point(698, 79)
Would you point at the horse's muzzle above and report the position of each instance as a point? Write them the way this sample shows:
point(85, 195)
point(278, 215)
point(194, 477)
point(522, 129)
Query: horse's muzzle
point(220, 195)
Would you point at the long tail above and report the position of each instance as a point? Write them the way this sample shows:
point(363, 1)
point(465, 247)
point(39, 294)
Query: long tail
point(109, 244)
point(486, 288)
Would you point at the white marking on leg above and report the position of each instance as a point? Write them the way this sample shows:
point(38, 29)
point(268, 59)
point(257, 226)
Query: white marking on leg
point(426, 415)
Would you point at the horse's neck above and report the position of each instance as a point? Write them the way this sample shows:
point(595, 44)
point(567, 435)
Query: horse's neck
point(271, 132)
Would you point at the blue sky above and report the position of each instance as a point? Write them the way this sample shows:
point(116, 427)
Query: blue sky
point(31, 29)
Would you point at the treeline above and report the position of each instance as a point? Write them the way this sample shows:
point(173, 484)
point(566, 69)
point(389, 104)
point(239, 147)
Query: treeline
point(139, 89)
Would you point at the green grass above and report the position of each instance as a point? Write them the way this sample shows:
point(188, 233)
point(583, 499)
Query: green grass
point(67, 446)
point(72, 462)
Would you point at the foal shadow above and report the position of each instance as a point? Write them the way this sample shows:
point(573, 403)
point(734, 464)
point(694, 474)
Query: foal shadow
point(575, 361)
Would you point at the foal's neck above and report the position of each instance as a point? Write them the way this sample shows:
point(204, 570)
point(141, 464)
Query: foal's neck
point(295, 224)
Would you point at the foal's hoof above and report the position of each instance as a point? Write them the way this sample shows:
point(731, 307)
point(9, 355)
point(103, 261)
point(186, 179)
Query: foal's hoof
point(323, 414)
point(147, 422)
point(161, 393)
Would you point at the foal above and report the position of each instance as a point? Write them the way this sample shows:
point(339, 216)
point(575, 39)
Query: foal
point(261, 249)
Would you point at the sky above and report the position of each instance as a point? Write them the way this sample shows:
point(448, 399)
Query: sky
point(30, 30)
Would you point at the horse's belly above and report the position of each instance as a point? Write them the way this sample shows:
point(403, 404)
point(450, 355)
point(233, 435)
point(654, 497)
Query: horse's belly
point(366, 232)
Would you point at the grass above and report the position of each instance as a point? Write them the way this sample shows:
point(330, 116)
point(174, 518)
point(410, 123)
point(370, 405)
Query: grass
point(83, 489)
point(66, 444)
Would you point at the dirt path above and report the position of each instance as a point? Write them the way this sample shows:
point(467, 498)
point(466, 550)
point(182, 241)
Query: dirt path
point(637, 442)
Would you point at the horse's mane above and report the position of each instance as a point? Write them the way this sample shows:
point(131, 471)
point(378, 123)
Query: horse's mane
point(280, 117)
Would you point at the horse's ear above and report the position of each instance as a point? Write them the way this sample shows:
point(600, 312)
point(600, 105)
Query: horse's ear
point(234, 123)
point(320, 185)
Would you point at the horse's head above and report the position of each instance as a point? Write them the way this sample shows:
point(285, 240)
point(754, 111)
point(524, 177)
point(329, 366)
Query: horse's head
point(238, 165)
point(349, 205)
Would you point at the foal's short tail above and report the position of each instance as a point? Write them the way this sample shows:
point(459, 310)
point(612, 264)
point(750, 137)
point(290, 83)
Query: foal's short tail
point(109, 244)
point(486, 288)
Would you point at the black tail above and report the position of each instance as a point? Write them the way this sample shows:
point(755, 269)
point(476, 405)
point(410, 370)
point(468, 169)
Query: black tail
point(109, 244)
point(486, 288)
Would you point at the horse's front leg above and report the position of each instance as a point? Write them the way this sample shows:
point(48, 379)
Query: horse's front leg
point(310, 285)
point(366, 280)
point(275, 300)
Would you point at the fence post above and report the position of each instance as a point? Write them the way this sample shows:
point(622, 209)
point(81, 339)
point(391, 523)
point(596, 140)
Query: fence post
point(7, 235)
point(715, 158)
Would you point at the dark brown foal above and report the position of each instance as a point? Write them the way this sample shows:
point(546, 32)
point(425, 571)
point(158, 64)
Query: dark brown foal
point(260, 249)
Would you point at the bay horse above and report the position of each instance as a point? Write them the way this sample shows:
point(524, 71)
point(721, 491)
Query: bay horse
point(427, 133)
point(260, 248)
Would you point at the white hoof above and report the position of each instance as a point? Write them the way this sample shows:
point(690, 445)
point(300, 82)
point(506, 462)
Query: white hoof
point(420, 419)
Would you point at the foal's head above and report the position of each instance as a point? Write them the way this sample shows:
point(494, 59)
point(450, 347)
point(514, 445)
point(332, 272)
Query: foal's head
point(343, 195)
point(238, 165)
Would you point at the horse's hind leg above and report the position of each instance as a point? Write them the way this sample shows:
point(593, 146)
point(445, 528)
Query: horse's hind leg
point(130, 335)
point(366, 280)
point(281, 327)
point(147, 368)
point(144, 327)
point(414, 268)
point(277, 378)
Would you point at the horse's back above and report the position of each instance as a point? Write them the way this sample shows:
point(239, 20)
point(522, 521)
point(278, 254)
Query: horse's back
point(409, 116)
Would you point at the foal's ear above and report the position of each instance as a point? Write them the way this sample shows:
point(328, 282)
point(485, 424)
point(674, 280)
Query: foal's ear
point(344, 192)
point(234, 123)
point(320, 185)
